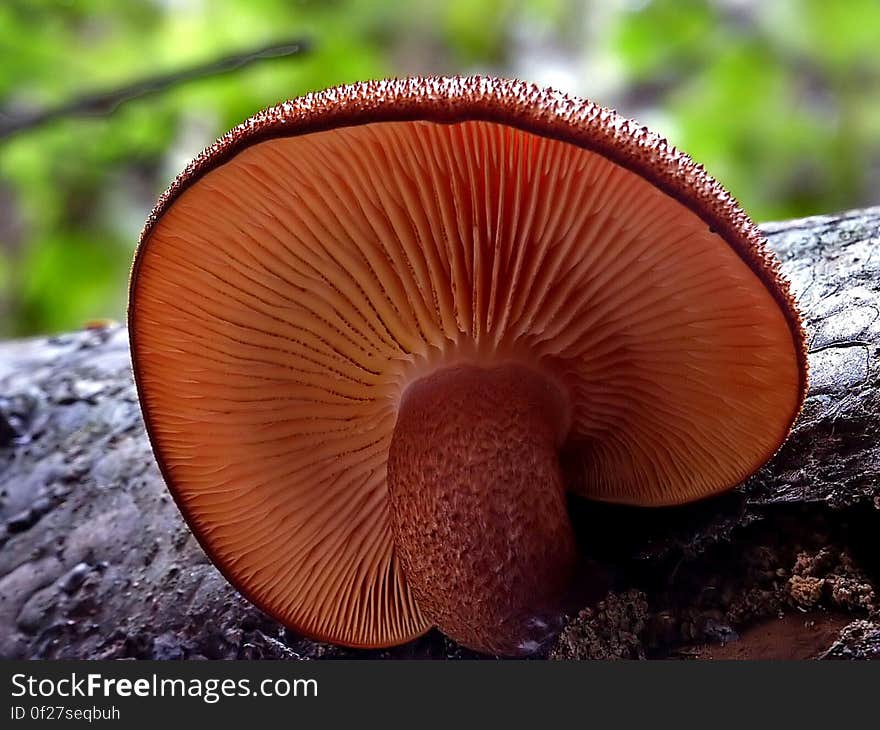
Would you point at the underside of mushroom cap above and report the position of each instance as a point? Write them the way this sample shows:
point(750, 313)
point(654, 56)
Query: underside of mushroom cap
point(329, 252)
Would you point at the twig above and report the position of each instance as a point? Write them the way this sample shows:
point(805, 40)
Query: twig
point(105, 103)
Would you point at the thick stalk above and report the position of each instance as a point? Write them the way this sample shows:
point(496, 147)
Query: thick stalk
point(478, 504)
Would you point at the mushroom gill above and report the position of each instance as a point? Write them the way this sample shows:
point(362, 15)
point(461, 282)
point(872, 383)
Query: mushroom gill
point(478, 298)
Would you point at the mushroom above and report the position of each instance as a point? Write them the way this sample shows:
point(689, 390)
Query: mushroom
point(379, 332)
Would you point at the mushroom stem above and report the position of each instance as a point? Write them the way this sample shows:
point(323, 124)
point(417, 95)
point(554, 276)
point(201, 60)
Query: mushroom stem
point(478, 504)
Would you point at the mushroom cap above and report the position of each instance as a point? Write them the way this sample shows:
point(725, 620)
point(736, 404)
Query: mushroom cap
point(331, 250)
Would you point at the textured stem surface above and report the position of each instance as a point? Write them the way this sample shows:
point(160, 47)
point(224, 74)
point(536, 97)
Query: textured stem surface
point(478, 504)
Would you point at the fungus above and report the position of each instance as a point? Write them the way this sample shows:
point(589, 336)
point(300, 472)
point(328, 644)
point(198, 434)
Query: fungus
point(379, 331)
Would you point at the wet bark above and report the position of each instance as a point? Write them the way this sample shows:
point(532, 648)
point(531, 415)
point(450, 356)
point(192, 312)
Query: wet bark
point(95, 560)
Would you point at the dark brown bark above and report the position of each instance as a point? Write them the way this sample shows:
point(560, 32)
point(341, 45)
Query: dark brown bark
point(97, 562)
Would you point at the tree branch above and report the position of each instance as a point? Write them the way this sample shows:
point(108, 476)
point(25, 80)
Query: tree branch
point(104, 103)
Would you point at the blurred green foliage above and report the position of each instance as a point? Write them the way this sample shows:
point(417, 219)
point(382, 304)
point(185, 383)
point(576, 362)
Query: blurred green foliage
point(780, 100)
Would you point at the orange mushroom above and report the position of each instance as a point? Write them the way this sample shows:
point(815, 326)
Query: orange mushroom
point(379, 331)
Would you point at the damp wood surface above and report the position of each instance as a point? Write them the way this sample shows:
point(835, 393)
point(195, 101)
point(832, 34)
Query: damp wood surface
point(96, 561)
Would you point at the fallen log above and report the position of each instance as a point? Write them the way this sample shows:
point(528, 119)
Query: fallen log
point(96, 561)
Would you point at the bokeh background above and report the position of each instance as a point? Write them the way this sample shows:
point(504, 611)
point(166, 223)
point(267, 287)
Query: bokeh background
point(102, 102)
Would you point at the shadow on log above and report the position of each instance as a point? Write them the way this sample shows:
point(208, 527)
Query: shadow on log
point(96, 561)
